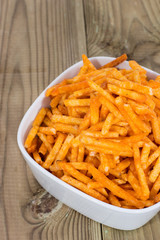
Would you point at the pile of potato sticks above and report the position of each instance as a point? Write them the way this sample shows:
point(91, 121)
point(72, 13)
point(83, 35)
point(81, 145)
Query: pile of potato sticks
point(101, 134)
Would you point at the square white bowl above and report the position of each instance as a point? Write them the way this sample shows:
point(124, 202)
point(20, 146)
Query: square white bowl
point(112, 216)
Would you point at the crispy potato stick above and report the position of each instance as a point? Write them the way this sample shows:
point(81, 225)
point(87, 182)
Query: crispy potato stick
point(52, 155)
point(83, 187)
point(126, 93)
point(115, 62)
point(47, 130)
point(82, 109)
point(49, 90)
point(43, 149)
point(48, 122)
point(65, 147)
point(156, 129)
point(101, 91)
point(103, 112)
point(123, 165)
point(105, 163)
point(44, 140)
point(111, 107)
point(86, 122)
point(54, 102)
point(155, 188)
point(138, 122)
point(144, 154)
point(80, 166)
point(141, 109)
point(120, 105)
point(153, 157)
point(149, 102)
point(114, 188)
point(120, 130)
point(39, 118)
point(134, 138)
point(94, 185)
point(34, 145)
point(152, 145)
point(94, 110)
point(107, 123)
point(80, 157)
point(74, 154)
point(37, 157)
point(66, 128)
point(155, 172)
point(140, 173)
point(87, 62)
point(55, 111)
point(135, 184)
point(66, 120)
point(98, 134)
point(50, 139)
point(135, 66)
point(156, 101)
point(31, 135)
point(77, 102)
point(114, 200)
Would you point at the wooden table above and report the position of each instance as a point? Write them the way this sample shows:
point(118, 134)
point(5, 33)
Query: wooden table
point(38, 40)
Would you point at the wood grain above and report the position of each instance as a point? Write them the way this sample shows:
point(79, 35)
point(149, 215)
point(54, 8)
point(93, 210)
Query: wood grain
point(38, 40)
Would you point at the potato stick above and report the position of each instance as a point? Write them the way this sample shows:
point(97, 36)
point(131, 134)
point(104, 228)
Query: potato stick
point(115, 62)
point(87, 62)
point(155, 188)
point(157, 198)
point(136, 76)
point(156, 129)
point(96, 127)
point(134, 138)
point(152, 145)
point(94, 110)
point(65, 147)
point(105, 144)
point(114, 188)
point(138, 122)
point(63, 110)
point(48, 122)
point(44, 140)
point(80, 166)
point(81, 109)
point(119, 181)
point(86, 122)
point(131, 86)
point(155, 172)
point(98, 134)
point(52, 155)
point(74, 173)
point(103, 112)
point(31, 135)
point(105, 163)
point(55, 111)
point(114, 200)
point(149, 102)
point(34, 145)
point(120, 130)
point(135, 66)
point(114, 172)
point(77, 102)
point(156, 101)
point(47, 130)
point(109, 151)
point(141, 109)
point(37, 157)
point(123, 165)
point(66, 120)
point(81, 186)
point(49, 90)
point(107, 123)
point(92, 160)
point(54, 102)
point(101, 91)
point(50, 139)
point(74, 154)
point(66, 128)
point(111, 107)
point(135, 184)
point(126, 93)
point(76, 142)
point(120, 105)
point(43, 149)
point(39, 118)
point(80, 157)
point(144, 154)
point(140, 173)
point(49, 114)
point(94, 185)
point(102, 191)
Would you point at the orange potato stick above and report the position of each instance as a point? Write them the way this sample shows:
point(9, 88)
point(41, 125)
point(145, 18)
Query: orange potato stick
point(156, 101)
point(155, 189)
point(94, 185)
point(52, 155)
point(153, 157)
point(120, 130)
point(114, 200)
point(48, 122)
point(105, 163)
point(138, 122)
point(39, 118)
point(94, 110)
point(74, 154)
point(34, 145)
point(80, 157)
point(49, 90)
point(50, 139)
point(119, 181)
point(81, 109)
point(37, 157)
point(101, 91)
point(149, 102)
point(107, 123)
point(47, 130)
point(152, 145)
point(134, 183)
point(134, 138)
point(65, 147)
point(96, 127)
point(103, 112)
point(55, 111)
point(66, 120)
point(114, 188)
point(141, 109)
point(54, 102)
point(87, 62)
point(155, 172)
point(63, 110)
point(92, 160)
point(140, 173)
point(156, 129)
point(31, 135)
point(144, 154)
point(120, 105)
point(123, 165)
point(157, 198)
point(80, 166)
point(86, 122)
point(74, 173)
point(82, 92)
point(111, 107)
point(126, 93)
point(43, 149)
point(49, 114)
point(44, 140)
point(135, 66)
point(77, 102)
point(115, 62)
point(66, 128)
point(83, 187)
point(98, 134)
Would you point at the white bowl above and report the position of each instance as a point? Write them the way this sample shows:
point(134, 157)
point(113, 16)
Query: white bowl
point(116, 217)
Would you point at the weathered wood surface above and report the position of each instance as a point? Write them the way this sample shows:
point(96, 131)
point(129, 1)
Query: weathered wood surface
point(38, 40)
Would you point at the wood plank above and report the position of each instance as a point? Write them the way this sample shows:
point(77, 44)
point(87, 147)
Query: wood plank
point(115, 27)
point(38, 40)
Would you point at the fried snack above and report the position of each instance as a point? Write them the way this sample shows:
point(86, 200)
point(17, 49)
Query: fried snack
point(101, 134)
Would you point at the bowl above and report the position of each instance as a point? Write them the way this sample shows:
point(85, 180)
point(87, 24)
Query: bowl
point(112, 216)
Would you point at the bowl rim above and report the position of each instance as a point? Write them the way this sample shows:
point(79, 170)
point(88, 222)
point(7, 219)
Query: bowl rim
point(59, 181)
